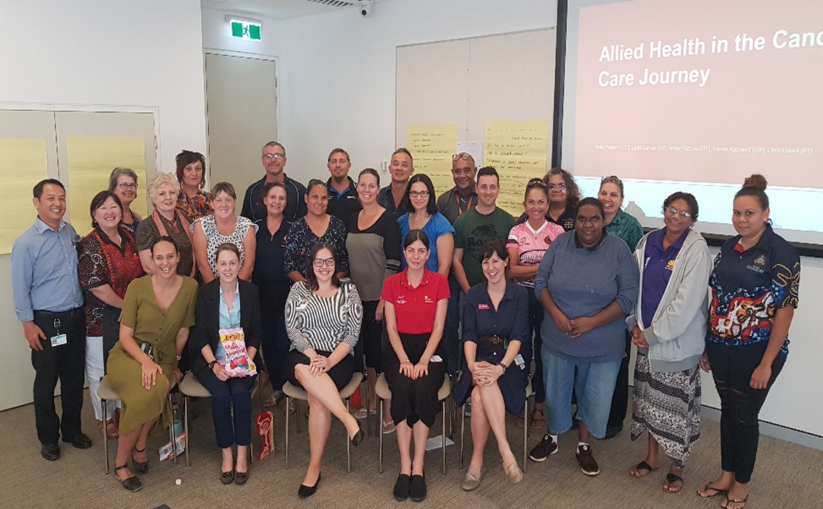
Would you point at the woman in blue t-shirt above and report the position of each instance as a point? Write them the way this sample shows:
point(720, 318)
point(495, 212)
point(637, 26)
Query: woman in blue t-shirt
point(424, 216)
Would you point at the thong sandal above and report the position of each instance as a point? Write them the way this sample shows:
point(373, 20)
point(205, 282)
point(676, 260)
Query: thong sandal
point(388, 427)
point(717, 492)
point(741, 501)
point(671, 480)
point(538, 422)
point(642, 469)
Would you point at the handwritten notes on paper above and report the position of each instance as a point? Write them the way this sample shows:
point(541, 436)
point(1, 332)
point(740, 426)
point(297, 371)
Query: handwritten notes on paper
point(90, 161)
point(518, 150)
point(22, 165)
point(432, 146)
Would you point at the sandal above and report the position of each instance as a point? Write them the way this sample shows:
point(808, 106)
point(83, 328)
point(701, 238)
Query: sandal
point(671, 481)
point(142, 467)
point(130, 483)
point(538, 422)
point(274, 400)
point(362, 413)
point(741, 501)
point(717, 491)
point(111, 431)
point(521, 419)
point(388, 427)
point(290, 409)
point(640, 468)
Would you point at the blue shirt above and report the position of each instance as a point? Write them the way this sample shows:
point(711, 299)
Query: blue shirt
point(228, 319)
point(44, 270)
point(659, 265)
point(386, 200)
point(509, 321)
point(436, 226)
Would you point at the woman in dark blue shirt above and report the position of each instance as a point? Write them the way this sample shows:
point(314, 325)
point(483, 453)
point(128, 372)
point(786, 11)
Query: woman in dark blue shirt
point(495, 327)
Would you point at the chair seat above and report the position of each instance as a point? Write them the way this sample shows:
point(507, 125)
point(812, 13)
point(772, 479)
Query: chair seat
point(295, 392)
point(383, 392)
point(352, 386)
point(106, 391)
point(191, 387)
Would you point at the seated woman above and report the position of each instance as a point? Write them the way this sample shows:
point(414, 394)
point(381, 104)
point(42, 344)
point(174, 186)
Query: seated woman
point(154, 327)
point(587, 283)
point(669, 329)
point(224, 226)
point(227, 303)
point(415, 312)
point(495, 330)
point(323, 319)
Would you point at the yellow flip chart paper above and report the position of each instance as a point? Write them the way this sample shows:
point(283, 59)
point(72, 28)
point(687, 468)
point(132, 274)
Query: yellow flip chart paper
point(432, 146)
point(90, 161)
point(518, 150)
point(23, 164)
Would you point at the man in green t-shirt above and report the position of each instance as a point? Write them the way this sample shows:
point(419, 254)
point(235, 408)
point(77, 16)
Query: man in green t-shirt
point(477, 226)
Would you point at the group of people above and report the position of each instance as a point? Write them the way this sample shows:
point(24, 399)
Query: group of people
point(339, 277)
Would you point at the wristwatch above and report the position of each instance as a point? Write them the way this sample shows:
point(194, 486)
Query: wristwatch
point(505, 367)
point(211, 364)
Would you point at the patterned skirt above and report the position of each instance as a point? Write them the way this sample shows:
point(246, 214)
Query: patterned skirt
point(667, 405)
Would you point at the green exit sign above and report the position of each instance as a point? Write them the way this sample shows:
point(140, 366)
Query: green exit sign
point(245, 30)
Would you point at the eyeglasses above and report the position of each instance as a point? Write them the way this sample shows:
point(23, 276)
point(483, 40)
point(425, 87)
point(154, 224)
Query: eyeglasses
point(465, 171)
point(559, 187)
point(611, 179)
point(682, 213)
point(125, 187)
point(461, 155)
point(274, 156)
point(420, 194)
point(319, 262)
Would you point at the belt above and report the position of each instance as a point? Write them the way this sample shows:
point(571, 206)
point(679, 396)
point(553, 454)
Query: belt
point(72, 312)
point(494, 340)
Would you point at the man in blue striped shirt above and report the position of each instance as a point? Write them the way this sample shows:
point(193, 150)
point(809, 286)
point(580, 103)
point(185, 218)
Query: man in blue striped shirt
point(49, 303)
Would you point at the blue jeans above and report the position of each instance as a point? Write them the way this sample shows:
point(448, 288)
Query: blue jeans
point(593, 386)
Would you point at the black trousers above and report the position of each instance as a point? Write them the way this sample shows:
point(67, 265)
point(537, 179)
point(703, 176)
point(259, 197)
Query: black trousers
point(230, 407)
point(66, 363)
point(732, 368)
point(620, 398)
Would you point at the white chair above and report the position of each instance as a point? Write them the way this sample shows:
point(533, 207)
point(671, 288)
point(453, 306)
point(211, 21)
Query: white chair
point(107, 393)
point(383, 392)
point(529, 394)
point(191, 387)
point(299, 394)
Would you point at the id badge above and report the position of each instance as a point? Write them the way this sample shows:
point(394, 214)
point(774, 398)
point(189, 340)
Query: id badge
point(436, 358)
point(58, 340)
point(520, 362)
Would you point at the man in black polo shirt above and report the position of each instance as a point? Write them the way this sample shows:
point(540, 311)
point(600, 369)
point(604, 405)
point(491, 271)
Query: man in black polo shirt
point(343, 202)
point(274, 161)
point(393, 197)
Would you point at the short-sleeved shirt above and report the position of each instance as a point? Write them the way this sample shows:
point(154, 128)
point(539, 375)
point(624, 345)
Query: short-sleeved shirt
point(532, 244)
point(374, 254)
point(269, 268)
point(301, 239)
point(657, 271)
point(343, 205)
point(474, 229)
point(214, 238)
point(626, 227)
point(436, 226)
point(509, 321)
point(102, 262)
point(453, 203)
point(386, 200)
point(153, 325)
point(748, 287)
point(147, 233)
point(415, 308)
point(194, 207)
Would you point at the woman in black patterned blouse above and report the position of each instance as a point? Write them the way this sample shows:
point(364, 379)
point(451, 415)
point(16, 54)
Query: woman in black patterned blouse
point(323, 320)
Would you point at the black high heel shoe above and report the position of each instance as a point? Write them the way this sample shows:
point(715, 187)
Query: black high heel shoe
point(130, 483)
point(142, 467)
point(307, 491)
point(358, 437)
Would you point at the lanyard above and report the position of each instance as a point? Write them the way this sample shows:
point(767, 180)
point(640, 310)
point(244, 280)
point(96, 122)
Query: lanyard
point(457, 199)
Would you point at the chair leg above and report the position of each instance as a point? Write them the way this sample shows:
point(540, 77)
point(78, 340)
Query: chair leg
point(296, 415)
point(380, 439)
point(171, 431)
point(348, 442)
point(462, 434)
point(186, 428)
point(443, 436)
point(251, 451)
point(287, 431)
point(105, 436)
point(525, 434)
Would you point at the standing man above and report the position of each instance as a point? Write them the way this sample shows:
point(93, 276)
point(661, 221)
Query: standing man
point(475, 227)
point(343, 202)
point(49, 303)
point(393, 196)
point(274, 161)
point(452, 204)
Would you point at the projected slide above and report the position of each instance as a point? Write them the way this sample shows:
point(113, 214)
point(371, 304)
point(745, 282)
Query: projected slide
point(695, 96)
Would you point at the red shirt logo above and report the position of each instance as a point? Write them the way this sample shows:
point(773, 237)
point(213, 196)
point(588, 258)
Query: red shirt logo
point(482, 306)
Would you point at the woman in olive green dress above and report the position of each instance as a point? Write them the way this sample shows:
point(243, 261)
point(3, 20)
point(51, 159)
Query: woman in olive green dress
point(154, 327)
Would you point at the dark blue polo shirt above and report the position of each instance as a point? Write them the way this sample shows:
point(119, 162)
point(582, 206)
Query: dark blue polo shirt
point(510, 320)
point(657, 271)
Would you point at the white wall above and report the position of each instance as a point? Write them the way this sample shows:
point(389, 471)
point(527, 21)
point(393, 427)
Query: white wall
point(107, 54)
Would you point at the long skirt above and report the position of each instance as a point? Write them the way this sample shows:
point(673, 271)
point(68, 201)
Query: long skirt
point(667, 405)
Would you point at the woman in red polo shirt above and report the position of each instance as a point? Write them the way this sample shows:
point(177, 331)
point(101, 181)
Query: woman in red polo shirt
point(415, 312)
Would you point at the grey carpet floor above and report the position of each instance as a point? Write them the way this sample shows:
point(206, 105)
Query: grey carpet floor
point(786, 476)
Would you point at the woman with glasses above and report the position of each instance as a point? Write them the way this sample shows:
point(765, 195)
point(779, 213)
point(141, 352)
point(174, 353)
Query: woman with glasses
point(192, 201)
point(668, 327)
point(323, 319)
point(528, 242)
point(587, 284)
point(424, 216)
point(563, 197)
point(123, 183)
point(316, 226)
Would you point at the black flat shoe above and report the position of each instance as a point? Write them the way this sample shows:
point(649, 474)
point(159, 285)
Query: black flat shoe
point(240, 478)
point(401, 487)
point(141, 467)
point(79, 441)
point(130, 483)
point(358, 437)
point(227, 477)
point(417, 488)
point(307, 491)
point(50, 452)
